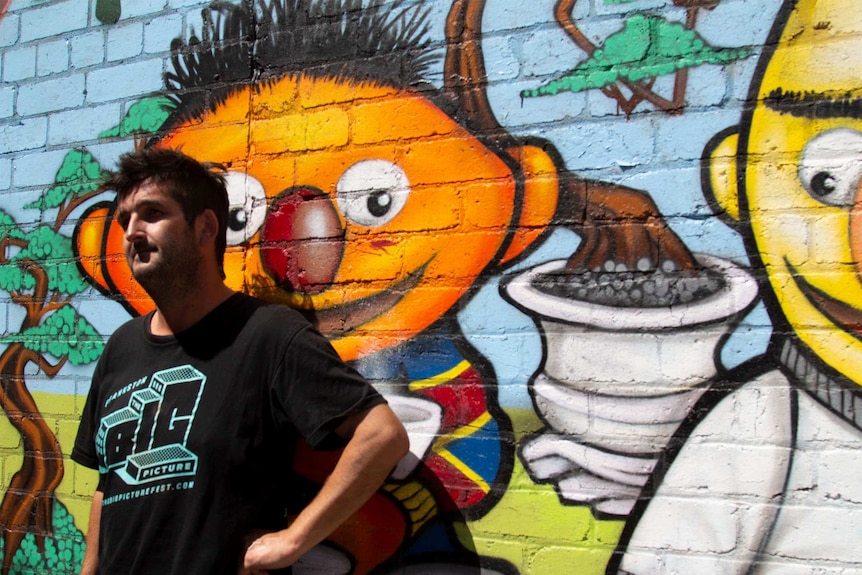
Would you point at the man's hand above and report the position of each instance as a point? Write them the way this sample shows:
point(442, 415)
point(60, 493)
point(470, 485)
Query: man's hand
point(269, 551)
point(376, 441)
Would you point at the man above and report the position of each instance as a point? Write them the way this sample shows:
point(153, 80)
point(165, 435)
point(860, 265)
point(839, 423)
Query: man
point(195, 407)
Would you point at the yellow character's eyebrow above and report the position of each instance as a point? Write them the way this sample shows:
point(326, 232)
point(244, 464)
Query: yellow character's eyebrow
point(814, 105)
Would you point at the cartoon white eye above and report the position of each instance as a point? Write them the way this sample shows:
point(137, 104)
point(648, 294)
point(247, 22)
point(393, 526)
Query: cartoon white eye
point(247, 207)
point(831, 166)
point(372, 192)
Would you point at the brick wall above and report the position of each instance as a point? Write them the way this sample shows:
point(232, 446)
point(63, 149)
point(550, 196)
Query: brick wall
point(683, 399)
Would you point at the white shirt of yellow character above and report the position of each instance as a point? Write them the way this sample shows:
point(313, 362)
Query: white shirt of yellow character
point(801, 163)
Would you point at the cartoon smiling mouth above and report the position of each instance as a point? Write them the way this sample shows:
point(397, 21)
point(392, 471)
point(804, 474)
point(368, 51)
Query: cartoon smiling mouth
point(839, 313)
point(340, 321)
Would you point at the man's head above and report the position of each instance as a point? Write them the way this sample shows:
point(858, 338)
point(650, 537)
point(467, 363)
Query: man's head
point(792, 175)
point(196, 187)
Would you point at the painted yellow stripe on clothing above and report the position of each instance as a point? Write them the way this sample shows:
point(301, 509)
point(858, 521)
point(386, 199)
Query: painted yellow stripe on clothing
point(440, 378)
point(466, 431)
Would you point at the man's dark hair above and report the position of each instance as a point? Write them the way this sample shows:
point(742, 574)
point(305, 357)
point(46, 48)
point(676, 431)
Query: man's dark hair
point(195, 186)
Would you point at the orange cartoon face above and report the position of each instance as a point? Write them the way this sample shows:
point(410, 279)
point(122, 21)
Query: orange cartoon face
point(367, 205)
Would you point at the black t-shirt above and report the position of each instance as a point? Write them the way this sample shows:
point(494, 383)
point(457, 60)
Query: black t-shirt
point(194, 434)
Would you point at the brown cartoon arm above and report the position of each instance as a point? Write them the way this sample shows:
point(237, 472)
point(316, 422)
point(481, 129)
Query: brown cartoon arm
point(617, 224)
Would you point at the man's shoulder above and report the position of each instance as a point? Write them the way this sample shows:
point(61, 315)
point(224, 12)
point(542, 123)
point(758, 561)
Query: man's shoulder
point(266, 318)
point(133, 327)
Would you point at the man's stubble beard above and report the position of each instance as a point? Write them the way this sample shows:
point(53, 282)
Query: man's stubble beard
point(175, 276)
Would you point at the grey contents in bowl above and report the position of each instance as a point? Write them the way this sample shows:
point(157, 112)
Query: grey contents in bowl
point(614, 285)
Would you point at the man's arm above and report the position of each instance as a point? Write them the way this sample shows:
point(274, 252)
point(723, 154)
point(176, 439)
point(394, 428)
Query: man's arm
point(90, 565)
point(376, 442)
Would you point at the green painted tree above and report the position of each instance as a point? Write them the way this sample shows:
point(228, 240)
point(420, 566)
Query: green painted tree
point(39, 273)
point(646, 48)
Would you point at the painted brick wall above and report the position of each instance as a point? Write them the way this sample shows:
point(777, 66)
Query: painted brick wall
point(624, 236)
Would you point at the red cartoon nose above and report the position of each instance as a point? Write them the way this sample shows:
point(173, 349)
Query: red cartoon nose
point(302, 241)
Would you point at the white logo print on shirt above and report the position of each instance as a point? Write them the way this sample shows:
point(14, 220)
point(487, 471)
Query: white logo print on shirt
point(145, 440)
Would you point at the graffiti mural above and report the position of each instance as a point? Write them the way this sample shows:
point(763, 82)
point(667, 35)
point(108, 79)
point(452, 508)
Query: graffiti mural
point(600, 257)
point(776, 476)
point(633, 58)
point(39, 274)
point(318, 214)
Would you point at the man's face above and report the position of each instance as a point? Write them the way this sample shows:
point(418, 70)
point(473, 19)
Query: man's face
point(159, 244)
point(802, 179)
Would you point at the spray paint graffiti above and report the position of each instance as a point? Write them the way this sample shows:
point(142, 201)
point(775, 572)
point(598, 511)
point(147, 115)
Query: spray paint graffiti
point(798, 211)
point(634, 58)
point(363, 190)
point(108, 11)
point(422, 198)
point(38, 271)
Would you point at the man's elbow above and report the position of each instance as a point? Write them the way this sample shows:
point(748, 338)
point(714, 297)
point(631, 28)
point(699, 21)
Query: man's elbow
point(396, 440)
point(400, 440)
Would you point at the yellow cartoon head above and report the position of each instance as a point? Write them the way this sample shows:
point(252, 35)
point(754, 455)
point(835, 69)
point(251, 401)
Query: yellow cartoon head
point(791, 176)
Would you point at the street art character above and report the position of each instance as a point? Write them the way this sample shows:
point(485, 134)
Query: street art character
point(378, 204)
point(755, 486)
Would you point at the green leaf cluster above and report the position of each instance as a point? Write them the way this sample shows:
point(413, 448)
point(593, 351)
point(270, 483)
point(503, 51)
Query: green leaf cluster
point(79, 175)
point(61, 553)
point(646, 47)
point(144, 117)
point(63, 333)
point(42, 247)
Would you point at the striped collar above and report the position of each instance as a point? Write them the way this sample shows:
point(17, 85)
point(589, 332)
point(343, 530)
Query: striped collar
point(839, 394)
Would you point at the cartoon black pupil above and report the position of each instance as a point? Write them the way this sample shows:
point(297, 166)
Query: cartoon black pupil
point(379, 203)
point(237, 220)
point(823, 184)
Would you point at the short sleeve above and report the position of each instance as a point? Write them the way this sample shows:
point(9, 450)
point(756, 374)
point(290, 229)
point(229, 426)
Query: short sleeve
point(84, 450)
point(314, 390)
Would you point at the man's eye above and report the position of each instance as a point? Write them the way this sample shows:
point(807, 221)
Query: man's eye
point(831, 166)
point(123, 220)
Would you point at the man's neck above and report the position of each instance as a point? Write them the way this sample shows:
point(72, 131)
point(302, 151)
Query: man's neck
point(180, 314)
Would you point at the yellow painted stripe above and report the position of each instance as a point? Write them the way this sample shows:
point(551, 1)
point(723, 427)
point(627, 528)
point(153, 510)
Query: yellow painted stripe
point(466, 431)
point(440, 378)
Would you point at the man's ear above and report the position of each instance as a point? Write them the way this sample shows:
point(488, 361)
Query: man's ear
point(719, 174)
point(207, 224)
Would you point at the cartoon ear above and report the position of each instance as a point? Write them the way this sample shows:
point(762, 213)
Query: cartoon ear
point(541, 194)
point(98, 241)
point(719, 174)
point(89, 239)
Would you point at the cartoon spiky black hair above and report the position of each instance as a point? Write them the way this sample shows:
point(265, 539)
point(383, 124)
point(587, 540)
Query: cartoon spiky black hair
point(256, 43)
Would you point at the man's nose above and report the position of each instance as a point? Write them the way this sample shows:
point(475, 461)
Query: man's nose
point(132, 228)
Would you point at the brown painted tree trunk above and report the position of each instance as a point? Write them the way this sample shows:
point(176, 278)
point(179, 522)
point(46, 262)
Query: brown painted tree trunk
point(28, 502)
